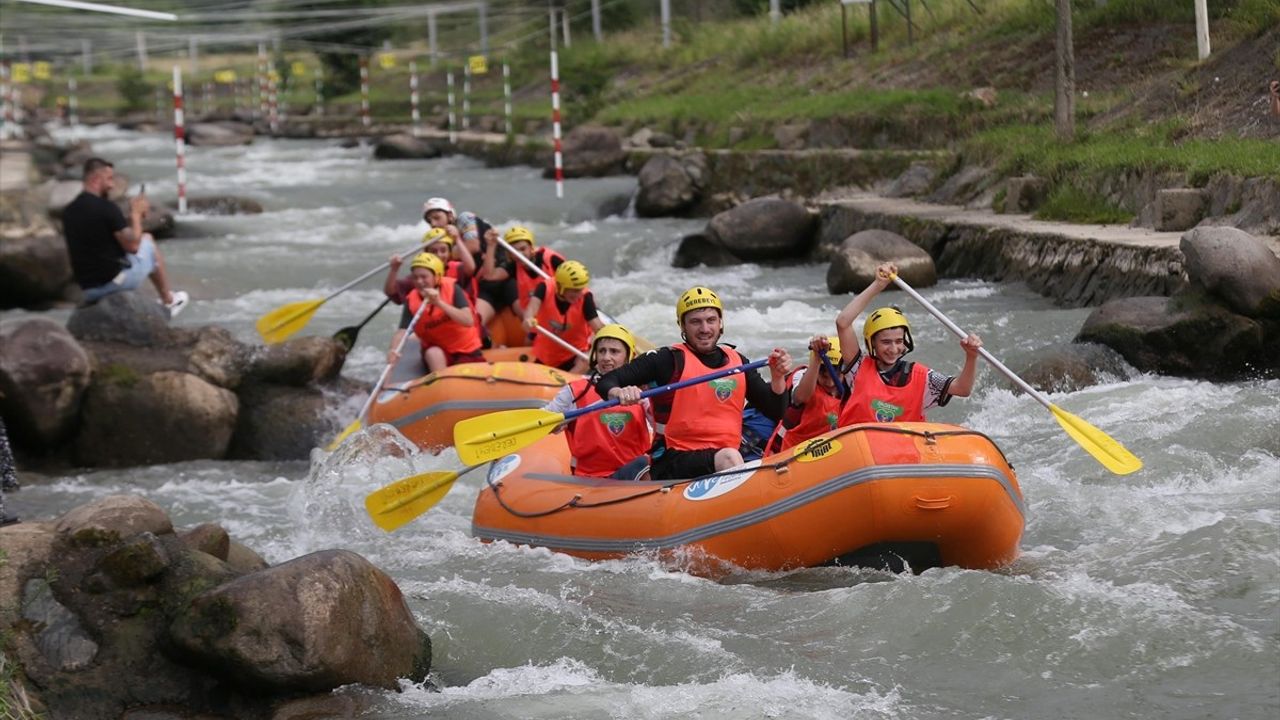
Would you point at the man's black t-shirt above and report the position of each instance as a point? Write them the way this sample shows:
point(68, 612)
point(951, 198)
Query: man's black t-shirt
point(90, 224)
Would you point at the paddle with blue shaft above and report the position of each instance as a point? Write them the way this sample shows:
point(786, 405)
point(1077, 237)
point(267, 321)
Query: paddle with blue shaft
point(841, 388)
point(1113, 456)
point(642, 345)
point(347, 335)
point(368, 403)
point(489, 437)
point(280, 324)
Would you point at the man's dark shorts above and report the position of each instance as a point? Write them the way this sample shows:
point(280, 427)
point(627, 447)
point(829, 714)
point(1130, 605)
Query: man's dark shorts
point(683, 464)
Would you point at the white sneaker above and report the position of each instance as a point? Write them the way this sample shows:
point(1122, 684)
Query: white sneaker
point(180, 300)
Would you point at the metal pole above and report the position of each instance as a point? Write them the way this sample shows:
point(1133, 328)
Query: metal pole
point(73, 117)
point(844, 29)
point(141, 43)
point(432, 37)
point(262, 81)
point(564, 25)
point(665, 10)
point(453, 119)
point(466, 97)
point(1202, 29)
point(413, 97)
point(506, 93)
point(364, 91)
point(86, 57)
point(595, 21)
point(193, 52)
point(775, 12)
point(179, 138)
point(484, 28)
point(273, 103)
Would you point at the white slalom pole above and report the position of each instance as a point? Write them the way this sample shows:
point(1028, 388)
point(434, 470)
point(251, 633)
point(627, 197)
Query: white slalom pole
point(466, 97)
point(453, 120)
point(179, 138)
point(413, 97)
point(555, 124)
point(364, 91)
point(506, 93)
point(73, 118)
point(273, 103)
point(262, 81)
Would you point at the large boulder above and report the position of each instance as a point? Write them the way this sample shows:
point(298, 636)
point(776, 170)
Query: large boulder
point(591, 151)
point(1235, 267)
point(126, 317)
point(699, 249)
point(765, 228)
point(299, 361)
point(35, 269)
point(217, 134)
point(1071, 366)
point(112, 519)
point(61, 193)
point(311, 624)
point(403, 146)
point(43, 376)
point(279, 422)
point(1185, 335)
point(854, 266)
point(224, 205)
point(670, 184)
point(218, 357)
point(162, 417)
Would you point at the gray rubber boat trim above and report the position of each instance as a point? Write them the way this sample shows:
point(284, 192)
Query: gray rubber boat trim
point(759, 515)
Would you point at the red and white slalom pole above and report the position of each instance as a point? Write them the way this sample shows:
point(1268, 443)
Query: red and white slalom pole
point(262, 80)
point(555, 123)
point(73, 116)
point(413, 97)
point(273, 104)
point(180, 139)
point(453, 116)
point(466, 97)
point(364, 91)
point(7, 128)
point(506, 93)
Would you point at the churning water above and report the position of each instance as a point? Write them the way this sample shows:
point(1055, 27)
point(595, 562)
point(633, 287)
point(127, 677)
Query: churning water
point(1153, 595)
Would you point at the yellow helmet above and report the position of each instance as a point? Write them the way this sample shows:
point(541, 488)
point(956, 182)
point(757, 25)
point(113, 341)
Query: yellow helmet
point(883, 319)
point(617, 332)
point(428, 261)
point(572, 275)
point(696, 298)
point(519, 233)
point(833, 352)
point(435, 235)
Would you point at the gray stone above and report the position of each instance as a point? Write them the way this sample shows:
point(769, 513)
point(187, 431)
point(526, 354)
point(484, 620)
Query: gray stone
point(126, 317)
point(111, 519)
point(61, 639)
point(640, 138)
point(591, 151)
point(766, 228)
point(791, 136)
point(403, 146)
point(1236, 267)
point(209, 538)
point(218, 134)
point(279, 422)
point(1178, 208)
point(298, 361)
point(243, 560)
point(311, 624)
point(699, 249)
point(35, 269)
point(224, 205)
point(963, 186)
point(162, 417)
point(219, 358)
point(1025, 193)
point(915, 180)
point(43, 376)
point(670, 184)
point(853, 267)
point(1070, 367)
point(140, 559)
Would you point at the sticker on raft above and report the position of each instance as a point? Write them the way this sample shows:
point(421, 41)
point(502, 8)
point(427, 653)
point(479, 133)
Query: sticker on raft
point(503, 467)
point(720, 484)
point(816, 449)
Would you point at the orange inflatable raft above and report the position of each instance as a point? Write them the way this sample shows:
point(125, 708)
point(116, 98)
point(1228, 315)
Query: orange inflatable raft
point(914, 495)
point(425, 407)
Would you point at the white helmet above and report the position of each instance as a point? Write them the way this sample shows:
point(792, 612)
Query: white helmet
point(438, 203)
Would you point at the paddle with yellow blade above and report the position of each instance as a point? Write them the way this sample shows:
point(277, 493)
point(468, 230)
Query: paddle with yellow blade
point(280, 324)
point(642, 345)
point(368, 403)
point(1113, 456)
point(488, 437)
point(405, 499)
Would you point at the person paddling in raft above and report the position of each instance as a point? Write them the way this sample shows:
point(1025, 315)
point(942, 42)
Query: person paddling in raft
point(817, 397)
point(447, 329)
point(567, 309)
point(699, 428)
point(611, 443)
point(884, 387)
point(458, 264)
point(492, 285)
point(522, 240)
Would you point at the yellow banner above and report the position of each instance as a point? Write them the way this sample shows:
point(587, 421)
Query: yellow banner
point(225, 77)
point(298, 68)
point(479, 64)
point(386, 61)
point(21, 73)
point(43, 71)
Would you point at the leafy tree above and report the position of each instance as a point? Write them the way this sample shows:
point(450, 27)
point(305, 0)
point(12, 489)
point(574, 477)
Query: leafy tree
point(132, 87)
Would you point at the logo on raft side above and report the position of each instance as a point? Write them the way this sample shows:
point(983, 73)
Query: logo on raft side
point(719, 485)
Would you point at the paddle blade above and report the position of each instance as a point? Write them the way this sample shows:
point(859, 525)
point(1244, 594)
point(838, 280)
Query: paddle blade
point(489, 437)
point(279, 324)
point(343, 436)
point(403, 500)
point(1113, 456)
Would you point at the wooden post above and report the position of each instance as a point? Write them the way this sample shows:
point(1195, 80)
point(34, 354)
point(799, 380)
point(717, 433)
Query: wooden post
point(1065, 77)
point(1202, 29)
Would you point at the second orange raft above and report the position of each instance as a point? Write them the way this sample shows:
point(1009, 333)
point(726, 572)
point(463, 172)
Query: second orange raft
point(917, 495)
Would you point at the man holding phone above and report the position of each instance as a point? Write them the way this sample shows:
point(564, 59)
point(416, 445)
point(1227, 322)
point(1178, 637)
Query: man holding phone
point(108, 253)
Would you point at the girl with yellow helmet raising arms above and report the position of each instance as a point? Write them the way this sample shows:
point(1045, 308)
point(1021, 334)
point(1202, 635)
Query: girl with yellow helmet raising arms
point(883, 386)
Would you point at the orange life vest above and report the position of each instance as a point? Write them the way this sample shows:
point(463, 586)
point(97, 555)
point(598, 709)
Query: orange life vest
point(706, 415)
point(570, 325)
point(435, 328)
point(874, 401)
point(604, 441)
point(820, 414)
point(527, 280)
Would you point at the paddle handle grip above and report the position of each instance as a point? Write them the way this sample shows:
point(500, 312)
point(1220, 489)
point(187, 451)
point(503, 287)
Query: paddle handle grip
point(959, 332)
point(386, 371)
point(562, 342)
point(603, 404)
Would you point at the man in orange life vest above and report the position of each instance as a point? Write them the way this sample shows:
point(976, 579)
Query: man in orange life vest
point(521, 238)
point(441, 242)
point(816, 397)
point(447, 329)
point(699, 428)
point(613, 442)
point(883, 386)
point(570, 313)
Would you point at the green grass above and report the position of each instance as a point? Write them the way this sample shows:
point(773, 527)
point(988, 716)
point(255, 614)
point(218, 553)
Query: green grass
point(1071, 204)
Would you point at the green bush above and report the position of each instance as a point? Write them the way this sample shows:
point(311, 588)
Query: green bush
point(133, 87)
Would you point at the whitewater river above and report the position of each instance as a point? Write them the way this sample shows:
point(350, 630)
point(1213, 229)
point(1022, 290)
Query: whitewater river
point(1154, 595)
